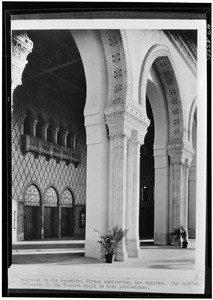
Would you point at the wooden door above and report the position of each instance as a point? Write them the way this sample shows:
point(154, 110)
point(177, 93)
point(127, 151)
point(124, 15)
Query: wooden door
point(67, 222)
point(50, 222)
point(31, 222)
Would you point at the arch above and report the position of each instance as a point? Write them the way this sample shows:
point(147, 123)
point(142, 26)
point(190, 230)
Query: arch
point(161, 57)
point(51, 198)
point(119, 70)
point(67, 198)
point(32, 195)
point(32, 212)
point(30, 120)
point(42, 122)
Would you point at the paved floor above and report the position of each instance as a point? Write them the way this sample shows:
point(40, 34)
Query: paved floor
point(160, 262)
point(152, 257)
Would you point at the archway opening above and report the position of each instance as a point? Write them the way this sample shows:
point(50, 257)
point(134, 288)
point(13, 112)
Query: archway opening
point(146, 214)
point(193, 182)
point(32, 213)
point(53, 82)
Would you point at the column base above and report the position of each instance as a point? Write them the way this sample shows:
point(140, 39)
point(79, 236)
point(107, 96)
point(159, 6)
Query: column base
point(94, 249)
point(161, 238)
point(121, 256)
point(133, 249)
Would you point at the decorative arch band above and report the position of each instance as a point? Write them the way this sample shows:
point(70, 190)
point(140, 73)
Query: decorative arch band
point(160, 56)
point(118, 67)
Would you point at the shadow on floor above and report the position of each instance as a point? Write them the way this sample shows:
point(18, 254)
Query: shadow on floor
point(59, 259)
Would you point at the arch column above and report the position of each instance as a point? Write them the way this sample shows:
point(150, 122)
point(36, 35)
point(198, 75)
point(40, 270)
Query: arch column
point(180, 160)
point(127, 128)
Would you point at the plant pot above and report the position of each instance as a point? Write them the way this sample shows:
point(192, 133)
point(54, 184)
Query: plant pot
point(184, 244)
point(109, 257)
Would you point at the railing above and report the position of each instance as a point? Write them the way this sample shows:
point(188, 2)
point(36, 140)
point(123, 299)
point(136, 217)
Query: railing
point(50, 150)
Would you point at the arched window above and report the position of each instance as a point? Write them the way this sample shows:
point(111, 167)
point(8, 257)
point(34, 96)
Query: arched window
point(52, 131)
point(32, 196)
point(51, 197)
point(41, 127)
point(30, 122)
point(72, 137)
point(62, 134)
point(67, 199)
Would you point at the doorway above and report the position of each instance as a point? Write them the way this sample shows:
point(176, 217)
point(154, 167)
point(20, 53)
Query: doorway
point(32, 224)
point(146, 208)
point(67, 222)
point(51, 222)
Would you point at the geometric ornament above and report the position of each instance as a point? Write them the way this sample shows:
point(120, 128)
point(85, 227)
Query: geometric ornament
point(51, 198)
point(67, 199)
point(32, 196)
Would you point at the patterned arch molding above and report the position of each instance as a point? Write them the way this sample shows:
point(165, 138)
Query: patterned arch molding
point(67, 199)
point(122, 113)
point(51, 197)
point(162, 59)
point(118, 67)
point(32, 196)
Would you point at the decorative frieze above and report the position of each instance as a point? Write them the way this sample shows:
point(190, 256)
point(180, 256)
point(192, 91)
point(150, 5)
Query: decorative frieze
point(20, 48)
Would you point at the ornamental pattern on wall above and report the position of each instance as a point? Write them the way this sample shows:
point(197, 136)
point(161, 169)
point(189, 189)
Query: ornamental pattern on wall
point(51, 197)
point(66, 199)
point(32, 196)
point(27, 169)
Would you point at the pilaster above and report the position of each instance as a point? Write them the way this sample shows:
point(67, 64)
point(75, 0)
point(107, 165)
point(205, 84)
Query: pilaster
point(127, 128)
point(180, 160)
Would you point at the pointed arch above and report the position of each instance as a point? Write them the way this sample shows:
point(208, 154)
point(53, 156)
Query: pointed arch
point(160, 56)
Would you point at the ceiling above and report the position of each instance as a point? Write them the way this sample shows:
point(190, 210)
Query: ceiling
point(55, 60)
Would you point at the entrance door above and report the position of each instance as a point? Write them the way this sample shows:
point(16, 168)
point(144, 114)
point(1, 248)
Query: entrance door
point(32, 222)
point(50, 222)
point(146, 219)
point(67, 222)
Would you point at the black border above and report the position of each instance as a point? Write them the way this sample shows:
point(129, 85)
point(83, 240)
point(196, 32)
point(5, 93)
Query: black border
point(95, 10)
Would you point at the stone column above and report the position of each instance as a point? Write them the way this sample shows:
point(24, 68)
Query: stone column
point(127, 128)
point(133, 183)
point(180, 160)
point(33, 123)
point(161, 206)
point(44, 131)
point(117, 204)
point(54, 132)
point(64, 134)
point(20, 48)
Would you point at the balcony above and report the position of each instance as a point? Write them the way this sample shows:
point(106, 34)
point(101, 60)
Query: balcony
point(50, 150)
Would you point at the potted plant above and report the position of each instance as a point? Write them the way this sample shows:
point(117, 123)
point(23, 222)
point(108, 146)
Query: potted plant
point(181, 235)
point(111, 241)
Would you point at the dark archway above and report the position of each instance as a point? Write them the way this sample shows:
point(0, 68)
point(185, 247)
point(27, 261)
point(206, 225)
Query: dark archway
point(146, 214)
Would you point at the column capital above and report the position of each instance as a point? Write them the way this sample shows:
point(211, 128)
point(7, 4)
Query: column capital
point(181, 153)
point(122, 119)
point(20, 48)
